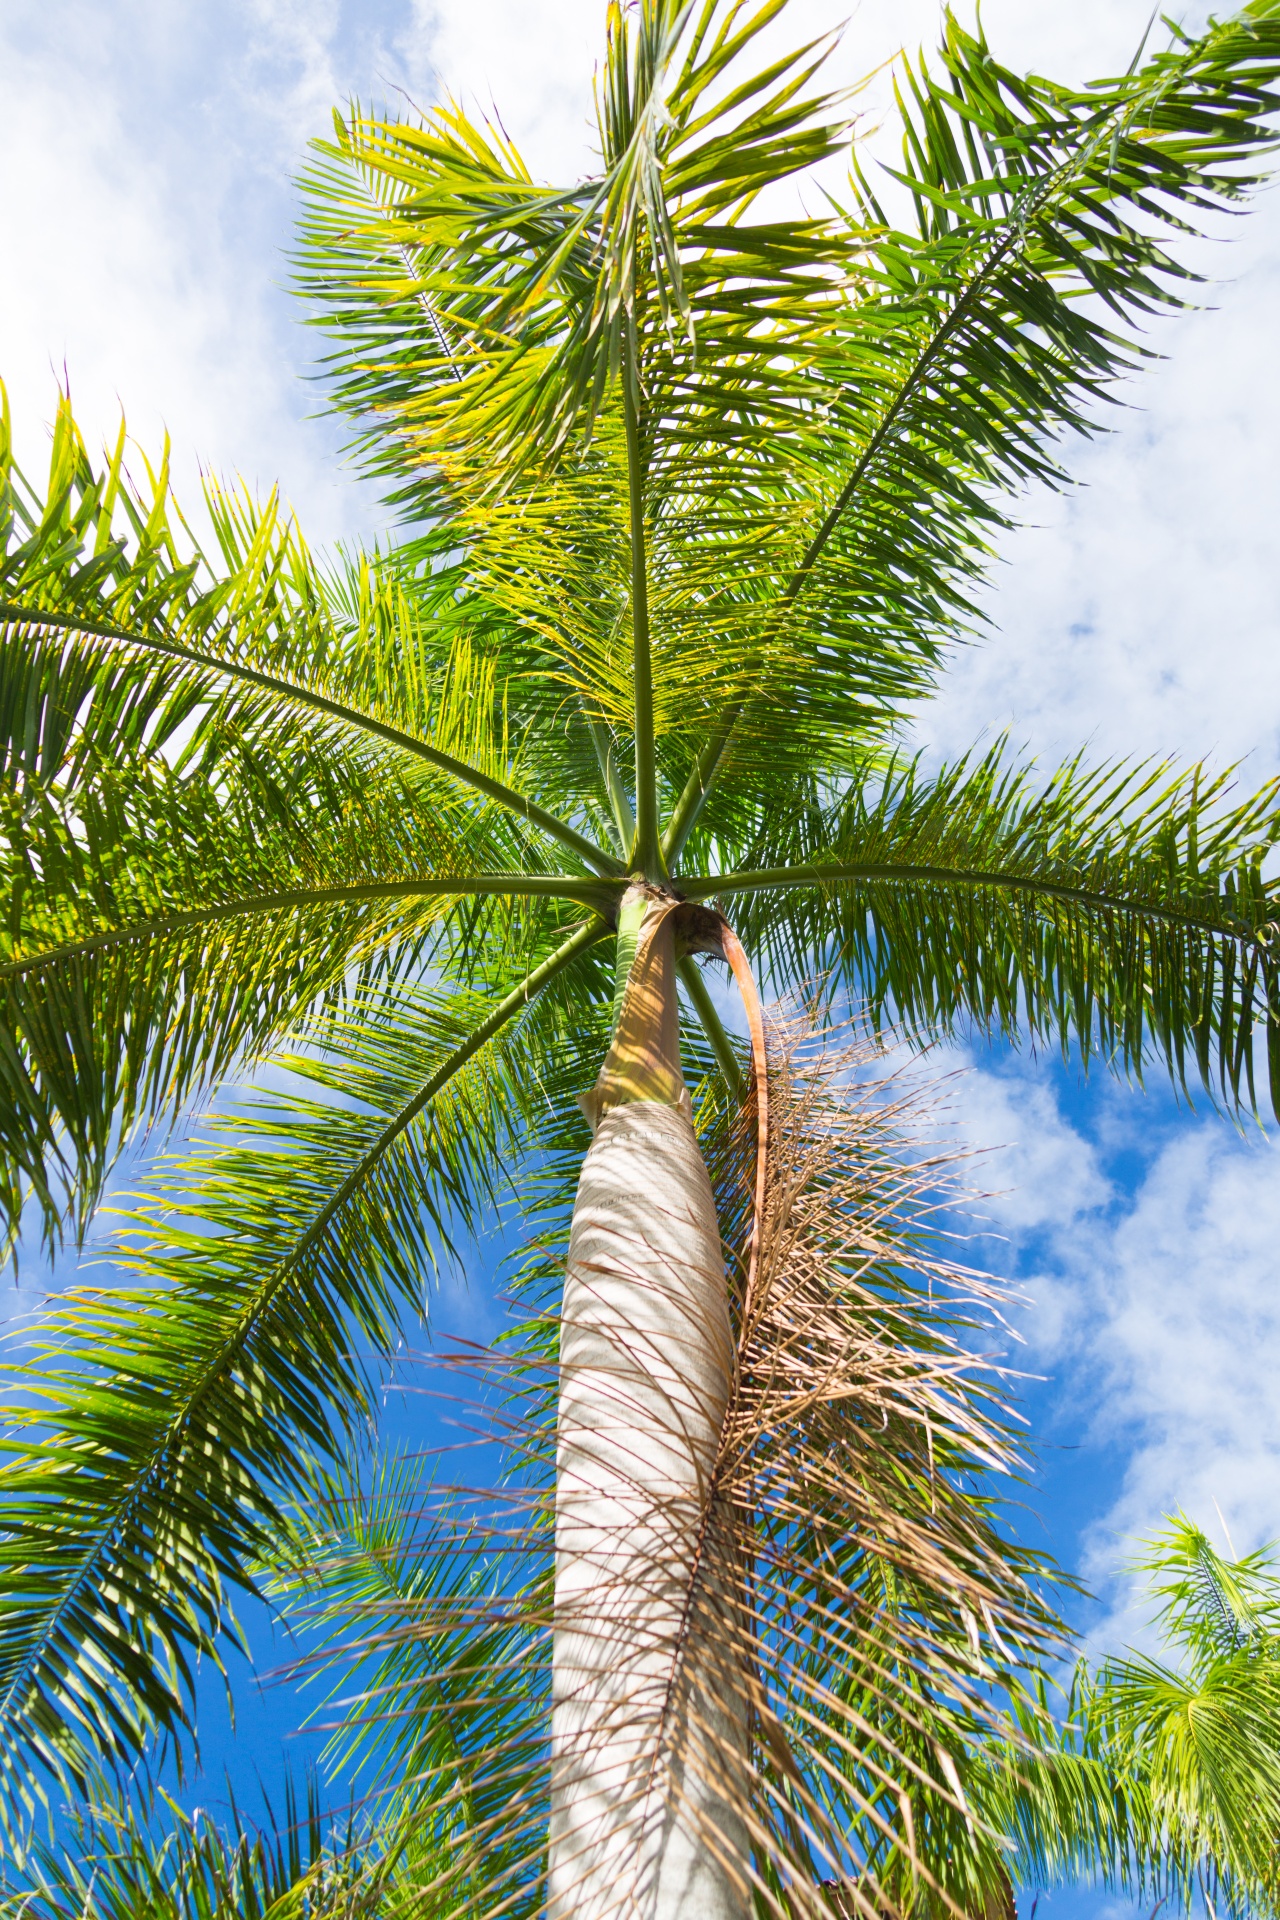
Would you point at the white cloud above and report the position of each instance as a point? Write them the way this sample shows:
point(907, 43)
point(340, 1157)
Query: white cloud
point(1154, 1299)
point(1138, 613)
point(1039, 1171)
point(1156, 1309)
point(1184, 1342)
point(145, 156)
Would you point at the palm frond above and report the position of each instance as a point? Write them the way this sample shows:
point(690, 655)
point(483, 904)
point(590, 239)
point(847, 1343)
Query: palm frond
point(255, 616)
point(975, 340)
point(1210, 1606)
point(157, 1428)
point(1200, 1727)
point(189, 868)
point(480, 315)
point(828, 411)
point(163, 925)
point(1125, 911)
point(118, 1865)
point(427, 1611)
point(1162, 1783)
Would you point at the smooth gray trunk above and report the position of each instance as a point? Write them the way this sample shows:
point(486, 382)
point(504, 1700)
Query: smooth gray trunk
point(649, 1724)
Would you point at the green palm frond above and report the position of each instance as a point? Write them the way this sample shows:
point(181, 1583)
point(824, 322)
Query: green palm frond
point(967, 350)
point(1124, 911)
point(163, 924)
point(159, 1427)
point(115, 1864)
point(101, 559)
point(1208, 1748)
point(825, 437)
point(1211, 1606)
point(432, 1617)
point(1201, 1726)
point(1163, 1782)
point(189, 868)
point(485, 314)
point(1064, 1806)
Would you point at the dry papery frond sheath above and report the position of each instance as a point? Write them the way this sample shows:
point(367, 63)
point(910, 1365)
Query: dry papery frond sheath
point(880, 1611)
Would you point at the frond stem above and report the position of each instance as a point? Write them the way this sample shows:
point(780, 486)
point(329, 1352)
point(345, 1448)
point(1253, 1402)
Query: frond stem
point(705, 887)
point(600, 895)
point(648, 852)
point(712, 1025)
point(496, 790)
point(624, 819)
point(578, 942)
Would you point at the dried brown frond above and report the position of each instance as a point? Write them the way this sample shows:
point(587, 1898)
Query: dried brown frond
point(881, 1608)
point(859, 1610)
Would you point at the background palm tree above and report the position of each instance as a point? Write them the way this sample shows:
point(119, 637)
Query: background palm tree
point(1164, 1781)
point(112, 1861)
point(695, 493)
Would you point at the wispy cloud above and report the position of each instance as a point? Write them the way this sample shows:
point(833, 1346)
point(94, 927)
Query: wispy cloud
point(1146, 1240)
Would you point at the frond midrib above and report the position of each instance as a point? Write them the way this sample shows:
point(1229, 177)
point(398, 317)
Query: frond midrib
point(598, 894)
point(1095, 900)
point(706, 765)
point(528, 810)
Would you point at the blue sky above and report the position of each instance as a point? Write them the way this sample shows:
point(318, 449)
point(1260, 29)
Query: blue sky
point(146, 153)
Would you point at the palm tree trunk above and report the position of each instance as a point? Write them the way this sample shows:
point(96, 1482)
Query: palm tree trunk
point(649, 1725)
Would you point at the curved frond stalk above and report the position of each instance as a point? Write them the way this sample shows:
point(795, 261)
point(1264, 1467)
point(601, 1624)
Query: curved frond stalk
point(712, 1025)
point(425, 887)
point(37, 619)
point(884, 1609)
point(648, 854)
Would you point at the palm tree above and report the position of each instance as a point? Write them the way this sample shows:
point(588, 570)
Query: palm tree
point(1200, 1728)
point(1165, 1781)
point(693, 495)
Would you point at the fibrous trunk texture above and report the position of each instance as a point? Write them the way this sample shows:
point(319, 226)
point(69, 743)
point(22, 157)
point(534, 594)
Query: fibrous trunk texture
point(649, 1718)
